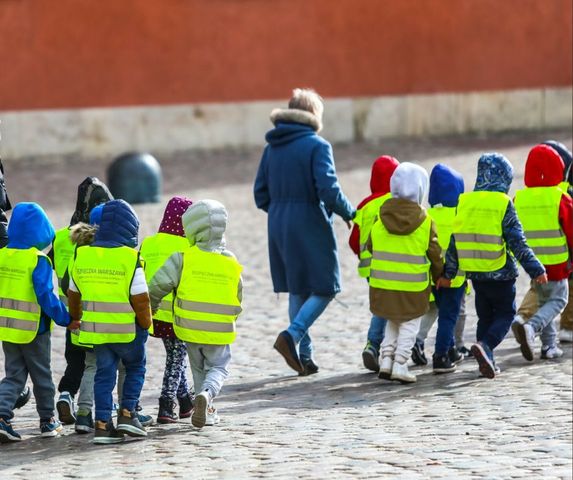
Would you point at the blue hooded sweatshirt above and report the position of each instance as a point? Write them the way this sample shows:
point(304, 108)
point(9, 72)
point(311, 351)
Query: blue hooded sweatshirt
point(30, 227)
point(495, 174)
point(446, 186)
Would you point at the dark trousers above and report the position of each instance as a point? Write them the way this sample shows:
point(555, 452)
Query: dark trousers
point(449, 302)
point(75, 364)
point(495, 307)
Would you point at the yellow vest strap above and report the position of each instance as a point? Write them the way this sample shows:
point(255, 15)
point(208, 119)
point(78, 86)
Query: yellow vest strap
point(399, 277)
point(480, 254)
point(202, 326)
point(205, 307)
point(364, 262)
point(16, 323)
point(19, 305)
point(165, 305)
point(534, 234)
point(100, 327)
point(399, 257)
point(479, 238)
point(107, 307)
point(550, 250)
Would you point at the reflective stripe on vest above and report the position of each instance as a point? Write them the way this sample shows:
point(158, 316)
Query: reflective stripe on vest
point(365, 218)
point(155, 250)
point(207, 305)
point(63, 253)
point(103, 276)
point(399, 262)
point(477, 230)
point(538, 211)
point(443, 218)
point(19, 309)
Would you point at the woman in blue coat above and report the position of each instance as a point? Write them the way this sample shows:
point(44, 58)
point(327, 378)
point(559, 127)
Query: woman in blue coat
point(297, 186)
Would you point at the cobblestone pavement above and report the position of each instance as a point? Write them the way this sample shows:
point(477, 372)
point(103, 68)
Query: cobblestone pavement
point(343, 422)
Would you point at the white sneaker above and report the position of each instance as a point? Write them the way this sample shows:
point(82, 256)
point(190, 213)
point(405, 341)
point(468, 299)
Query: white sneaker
point(212, 417)
point(566, 336)
point(200, 409)
point(525, 336)
point(400, 372)
point(385, 368)
point(549, 353)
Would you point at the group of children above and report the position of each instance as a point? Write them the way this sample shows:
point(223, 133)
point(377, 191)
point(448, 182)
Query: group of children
point(418, 262)
point(182, 286)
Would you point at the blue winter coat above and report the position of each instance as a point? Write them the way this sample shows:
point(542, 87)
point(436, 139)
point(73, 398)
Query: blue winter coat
point(118, 225)
point(296, 185)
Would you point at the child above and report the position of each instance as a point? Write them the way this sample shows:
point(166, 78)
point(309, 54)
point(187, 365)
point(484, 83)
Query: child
point(206, 281)
point(27, 303)
point(91, 192)
point(446, 185)
point(366, 214)
point(404, 246)
point(155, 250)
point(108, 293)
point(485, 228)
point(547, 216)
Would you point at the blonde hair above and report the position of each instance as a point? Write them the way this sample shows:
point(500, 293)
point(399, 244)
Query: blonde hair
point(308, 100)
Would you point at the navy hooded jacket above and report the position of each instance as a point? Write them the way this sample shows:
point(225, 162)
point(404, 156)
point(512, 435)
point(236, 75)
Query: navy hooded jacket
point(118, 226)
point(495, 174)
point(30, 227)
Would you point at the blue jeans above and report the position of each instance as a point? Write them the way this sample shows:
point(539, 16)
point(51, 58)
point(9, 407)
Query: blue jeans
point(108, 355)
point(449, 301)
point(376, 331)
point(495, 308)
point(303, 310)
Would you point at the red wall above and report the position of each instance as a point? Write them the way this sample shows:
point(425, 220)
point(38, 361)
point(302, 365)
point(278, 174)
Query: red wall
point(78, 53)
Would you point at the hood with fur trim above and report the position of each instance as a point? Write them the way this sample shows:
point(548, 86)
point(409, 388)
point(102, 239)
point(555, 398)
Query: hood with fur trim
point(294, 115)
point(544, 167)
point(205, 223)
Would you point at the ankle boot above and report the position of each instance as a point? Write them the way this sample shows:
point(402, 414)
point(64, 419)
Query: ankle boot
point(185, 406)
point(166, 412)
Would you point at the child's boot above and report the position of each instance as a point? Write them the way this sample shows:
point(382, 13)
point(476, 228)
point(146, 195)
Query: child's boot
point(106, 433)
point(212, 417)
point(65, 407)
point(84, 421)
point(166, 412)
point(525, 336)
point(199, 417)
point(185, 405)
point(418, 355)
point(7, 433)
point(401, 373)
point(385, 368)
point(128, 424)
point(370, 357)
point(50, 427)
point(442, 364)
point(23, 398)
point(551, 352)
point(484, 357)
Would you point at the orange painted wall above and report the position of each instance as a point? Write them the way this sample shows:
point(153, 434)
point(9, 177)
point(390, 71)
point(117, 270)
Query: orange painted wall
point(82, 53)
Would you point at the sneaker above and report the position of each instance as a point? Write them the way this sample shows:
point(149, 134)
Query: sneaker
point(50, 427)
point(212, 417)
point(386, 368)
point(465, 352)
point(166, 412)
point(309, 368)
point(525, 336)
point(185, 406)
point(443, 364)
point(549, 353)
point(129, 424)
point(23, 398)
point(486, 364)
point(199, 417)
point(455, 356)
point(7, 433)
point(145, 420)
point(418, 355)
point(401, 374)
point(496, 370)
point(370, 358)
point(84, 422)
point(65, 407)
point(105, 433)
point(566, 336)
point(285, 345)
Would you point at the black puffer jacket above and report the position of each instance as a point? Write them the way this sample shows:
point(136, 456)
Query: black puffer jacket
point(4, 207)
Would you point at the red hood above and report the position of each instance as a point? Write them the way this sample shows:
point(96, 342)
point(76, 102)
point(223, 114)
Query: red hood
point(382, 170)
point(544, 167)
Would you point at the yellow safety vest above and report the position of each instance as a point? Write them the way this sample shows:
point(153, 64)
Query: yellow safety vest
point(206, 302)
point(19, 309)
point(444, 219)
point(63, 253)
point(565, 187)
point(399, 262)
point(478, 231)
point(103, 276)
point(365, 218)
point(155, 250)
point(538, 211)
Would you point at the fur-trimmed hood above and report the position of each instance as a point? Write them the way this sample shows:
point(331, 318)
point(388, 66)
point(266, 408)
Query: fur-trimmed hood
point(293, 115)
point(82, 234)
